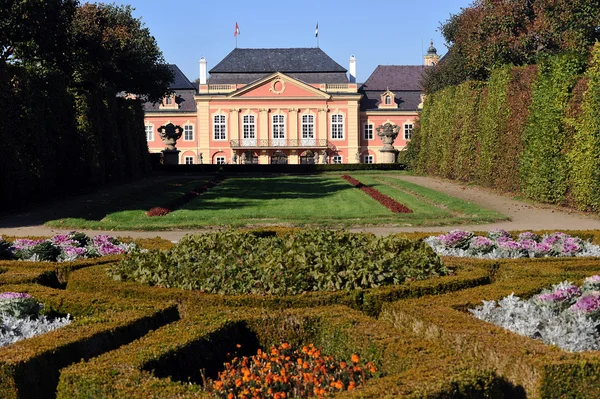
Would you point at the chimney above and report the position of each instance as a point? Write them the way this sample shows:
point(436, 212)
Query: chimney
point(202, 71)
point(352, 69)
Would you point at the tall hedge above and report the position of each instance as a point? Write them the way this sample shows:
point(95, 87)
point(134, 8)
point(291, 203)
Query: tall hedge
point(56, 141)
point(584, 155)
point(544, 166)
point(532, 130)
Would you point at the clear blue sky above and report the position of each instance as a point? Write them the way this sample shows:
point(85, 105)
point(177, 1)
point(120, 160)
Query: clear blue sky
point(376, 32)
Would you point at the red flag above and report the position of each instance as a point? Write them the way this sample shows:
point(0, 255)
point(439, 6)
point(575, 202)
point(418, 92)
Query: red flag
point(237, 30)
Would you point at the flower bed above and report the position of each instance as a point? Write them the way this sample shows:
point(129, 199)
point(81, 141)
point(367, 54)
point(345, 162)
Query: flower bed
point(63, 248)
point(567, 316)
point(500, 244)
point(314, 260)
point(20, 318)
point(287, 373)
point(383, 199)
point(177, 203)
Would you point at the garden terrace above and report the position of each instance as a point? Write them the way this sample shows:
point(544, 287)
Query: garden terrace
point(419, 334)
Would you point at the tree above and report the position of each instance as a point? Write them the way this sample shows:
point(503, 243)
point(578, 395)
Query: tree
point(116, 51)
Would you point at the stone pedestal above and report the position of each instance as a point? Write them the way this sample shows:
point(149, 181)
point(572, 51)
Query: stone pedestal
point(171, 157)
point(388, 156)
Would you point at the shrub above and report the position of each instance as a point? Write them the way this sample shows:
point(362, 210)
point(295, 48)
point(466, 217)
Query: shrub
point(319, 260)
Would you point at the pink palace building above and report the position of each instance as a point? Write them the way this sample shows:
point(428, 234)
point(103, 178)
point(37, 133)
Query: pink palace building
point(288, 105)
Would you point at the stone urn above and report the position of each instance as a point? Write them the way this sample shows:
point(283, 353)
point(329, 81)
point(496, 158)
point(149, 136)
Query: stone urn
point(169, 134)
point(388, 133)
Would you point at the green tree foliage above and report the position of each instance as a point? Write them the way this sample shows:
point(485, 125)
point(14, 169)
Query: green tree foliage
point(61, 67)
point(491, 33)
point(115, 50)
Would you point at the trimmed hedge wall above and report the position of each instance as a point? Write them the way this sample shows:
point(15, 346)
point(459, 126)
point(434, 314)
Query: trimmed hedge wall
point(531, 130)
point(234, 168)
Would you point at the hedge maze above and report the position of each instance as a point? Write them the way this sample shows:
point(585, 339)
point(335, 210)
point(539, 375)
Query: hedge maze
point(129, 340)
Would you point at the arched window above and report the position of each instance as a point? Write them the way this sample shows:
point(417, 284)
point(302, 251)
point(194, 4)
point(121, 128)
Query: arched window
point(388, 100)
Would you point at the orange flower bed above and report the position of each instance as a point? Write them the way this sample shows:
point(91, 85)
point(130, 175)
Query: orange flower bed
point(286, 373)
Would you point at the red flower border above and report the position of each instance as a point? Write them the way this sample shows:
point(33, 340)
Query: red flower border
point(383, 199)
point(177, 203)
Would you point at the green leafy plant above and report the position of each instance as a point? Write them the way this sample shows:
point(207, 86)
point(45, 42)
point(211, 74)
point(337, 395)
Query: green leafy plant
point(315, 260)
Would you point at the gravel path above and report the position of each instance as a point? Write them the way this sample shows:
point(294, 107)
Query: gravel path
point(523, 215)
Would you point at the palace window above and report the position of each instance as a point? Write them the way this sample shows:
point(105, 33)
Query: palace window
point(278, 126)
point(248, 127)
point(308, 127)
point(388, 100)
point(368, 159)
point(368, 131)
point(188, 133)
point(408, 129)
point(169, 100)
point(219, 127)
point(337, 126)
point(220, 160)
point(336, 159)
point(189, 160)
point(149, 132)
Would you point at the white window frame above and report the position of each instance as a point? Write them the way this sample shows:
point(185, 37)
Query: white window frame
point(368, 128)
point(248, 126)
point(188, 160)
point(408, 130)
point(188, 132)
point(278, 126)
point(308, 126)
point(337, 159)
point(337, 127)
point(368, 159)
point(149, 129)
point(219, 127)
point(220, 160)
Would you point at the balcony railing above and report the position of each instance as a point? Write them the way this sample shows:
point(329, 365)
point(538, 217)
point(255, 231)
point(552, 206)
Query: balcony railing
point(280, 143)
point(221, 88)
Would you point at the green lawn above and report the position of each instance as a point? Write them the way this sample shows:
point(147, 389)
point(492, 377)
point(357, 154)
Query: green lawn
point(325, 200)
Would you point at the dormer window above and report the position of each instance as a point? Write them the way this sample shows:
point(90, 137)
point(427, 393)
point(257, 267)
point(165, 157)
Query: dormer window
point(388, 100)
point(169, 103)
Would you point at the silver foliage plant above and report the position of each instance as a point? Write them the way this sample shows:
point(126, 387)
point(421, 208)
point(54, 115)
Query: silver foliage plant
point(566, 315)
point(20, 318)
point(499, 244)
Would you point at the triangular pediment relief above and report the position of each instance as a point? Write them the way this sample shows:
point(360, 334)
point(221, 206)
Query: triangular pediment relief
point(278, 85)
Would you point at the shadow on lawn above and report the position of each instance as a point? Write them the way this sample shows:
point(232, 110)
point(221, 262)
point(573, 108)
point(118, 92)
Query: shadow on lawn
point(233, 191)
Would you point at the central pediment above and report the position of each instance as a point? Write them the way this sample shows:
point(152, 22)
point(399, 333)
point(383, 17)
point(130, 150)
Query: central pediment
point(279, 85)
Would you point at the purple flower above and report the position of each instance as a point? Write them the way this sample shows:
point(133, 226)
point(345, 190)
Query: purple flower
point(14, 295)
point(587, 303)
point(571, 245)
point(496, 234)
point(22, 243)
point(74, 251)
point(456, 239)
point(527, 235)
point(528, 244)
point(566, 293)
point(593, 279)
point(542, 249)
point(109, 249)
point(510, 245)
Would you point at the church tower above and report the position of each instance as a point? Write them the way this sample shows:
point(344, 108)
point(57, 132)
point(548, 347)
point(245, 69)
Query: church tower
point(432, 57)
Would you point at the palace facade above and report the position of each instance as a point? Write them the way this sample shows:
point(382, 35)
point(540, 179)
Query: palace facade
point(293, 105)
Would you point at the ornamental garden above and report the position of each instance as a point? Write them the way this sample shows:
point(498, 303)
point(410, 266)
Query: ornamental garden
point(300, 309)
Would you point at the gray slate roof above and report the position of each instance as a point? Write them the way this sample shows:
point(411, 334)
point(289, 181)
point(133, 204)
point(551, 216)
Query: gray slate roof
point(184, 98)
point(269, 60)
point(402, 80)
point(247, 78)
point(181, 82)
point(395, 77)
